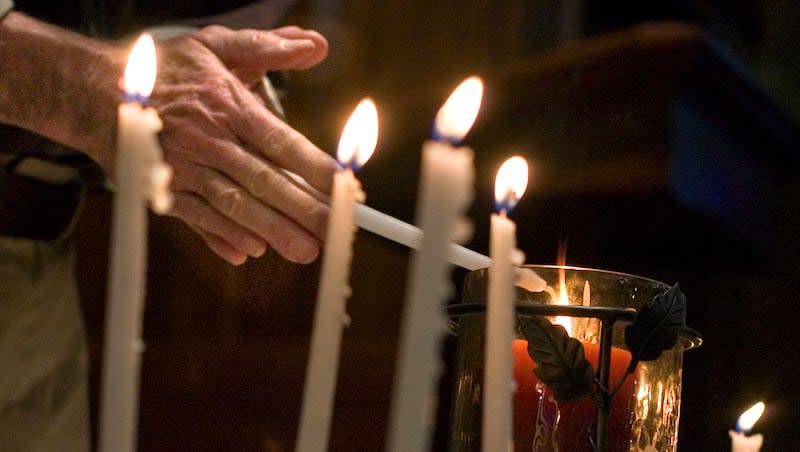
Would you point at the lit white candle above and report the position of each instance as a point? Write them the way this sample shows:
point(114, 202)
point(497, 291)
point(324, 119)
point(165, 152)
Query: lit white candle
point(446, 189)
point(741, 441)
point(356, 145)
point(498, 384)
point(140, 175)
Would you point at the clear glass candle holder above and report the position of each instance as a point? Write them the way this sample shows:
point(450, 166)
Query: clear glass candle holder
point(597, 305)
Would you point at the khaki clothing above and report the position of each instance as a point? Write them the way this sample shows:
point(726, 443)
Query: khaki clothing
point(43, 355)
point(5, 6)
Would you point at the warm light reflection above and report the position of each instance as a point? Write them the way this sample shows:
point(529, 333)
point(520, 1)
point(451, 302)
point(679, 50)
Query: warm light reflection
point(643, 399)
point(458, 113)
point(644, 392)
point(140, 72)
point(510, 183)
point(749, 418)
point(587, 293)
point(360, 136)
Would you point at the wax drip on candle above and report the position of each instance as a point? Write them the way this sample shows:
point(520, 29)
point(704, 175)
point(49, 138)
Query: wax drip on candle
point(137, 84)
point(161, 199)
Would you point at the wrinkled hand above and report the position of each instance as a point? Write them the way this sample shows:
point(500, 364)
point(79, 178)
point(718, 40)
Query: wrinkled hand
point(226, 148)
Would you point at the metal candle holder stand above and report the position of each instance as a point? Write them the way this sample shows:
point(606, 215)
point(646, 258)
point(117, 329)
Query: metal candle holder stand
point(608, 316)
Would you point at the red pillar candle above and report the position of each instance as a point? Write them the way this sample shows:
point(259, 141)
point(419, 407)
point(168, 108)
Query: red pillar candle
point(542, 422)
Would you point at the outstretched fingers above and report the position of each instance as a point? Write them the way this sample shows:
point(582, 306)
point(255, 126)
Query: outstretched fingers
point(221, 247)
point(195, 211)
point(230, 199)
point(230, 154)
point(261, 50)
point(296, 33)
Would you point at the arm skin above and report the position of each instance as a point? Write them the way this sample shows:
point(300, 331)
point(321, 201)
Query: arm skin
point(226, 148)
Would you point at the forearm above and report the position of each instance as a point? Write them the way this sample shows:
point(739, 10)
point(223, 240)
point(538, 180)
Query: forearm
point(60, 85)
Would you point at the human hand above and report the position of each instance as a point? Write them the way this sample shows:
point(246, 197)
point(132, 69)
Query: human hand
point(228, 150)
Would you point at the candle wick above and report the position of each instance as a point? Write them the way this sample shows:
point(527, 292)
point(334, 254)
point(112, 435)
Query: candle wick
point(351, 165)
point(506, 204)
point(436, 135)
point(135, 98)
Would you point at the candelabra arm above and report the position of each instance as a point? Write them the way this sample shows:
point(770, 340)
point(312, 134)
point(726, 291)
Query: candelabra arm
point(603, 372)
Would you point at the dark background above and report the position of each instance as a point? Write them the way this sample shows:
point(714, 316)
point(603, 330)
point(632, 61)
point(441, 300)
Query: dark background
point(661, 141)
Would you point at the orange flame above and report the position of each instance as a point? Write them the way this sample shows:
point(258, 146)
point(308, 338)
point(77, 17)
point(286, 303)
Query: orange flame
point(563, 298)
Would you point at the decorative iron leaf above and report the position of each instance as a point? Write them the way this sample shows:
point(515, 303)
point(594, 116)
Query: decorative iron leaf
point(560, 361)
point(656, 326)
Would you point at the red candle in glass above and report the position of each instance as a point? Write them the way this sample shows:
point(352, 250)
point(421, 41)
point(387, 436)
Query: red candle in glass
point(537, 416)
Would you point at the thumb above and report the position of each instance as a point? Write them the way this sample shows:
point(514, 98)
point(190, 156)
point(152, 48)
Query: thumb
point(261, 51)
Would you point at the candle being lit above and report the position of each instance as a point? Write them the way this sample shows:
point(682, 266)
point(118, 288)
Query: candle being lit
point(541, 421)
point(446, 181)
point(563, 299)
point(498, 387)
point(140, 175)
point(563, 320)
point(741, 440)
point(411, 236)
point(356, 145)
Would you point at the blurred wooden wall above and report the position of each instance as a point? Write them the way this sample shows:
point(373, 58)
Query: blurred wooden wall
point(226, 347)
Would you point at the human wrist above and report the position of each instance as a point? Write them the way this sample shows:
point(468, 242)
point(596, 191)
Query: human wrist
point(60, 85)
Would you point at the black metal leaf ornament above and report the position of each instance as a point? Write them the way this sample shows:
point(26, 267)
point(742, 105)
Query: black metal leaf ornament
point(656, 326)
point(561, 364)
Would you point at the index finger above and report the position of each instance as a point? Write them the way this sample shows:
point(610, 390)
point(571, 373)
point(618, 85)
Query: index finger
point(263, 50)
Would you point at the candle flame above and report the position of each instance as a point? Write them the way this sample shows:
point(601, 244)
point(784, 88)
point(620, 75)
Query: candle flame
point(510, 183)
point(748, 419)
point(140, 72)
point(563, 298)
point(360, 135)
point(458, 113)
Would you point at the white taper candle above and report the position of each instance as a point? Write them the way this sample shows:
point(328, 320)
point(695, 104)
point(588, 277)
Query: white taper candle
point(741, 441)
point(140, 175)
point(498, 377)
point(355, 147)
point(446, 189)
